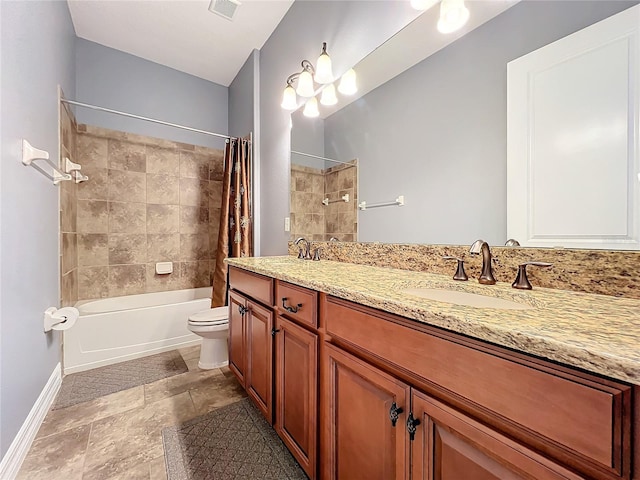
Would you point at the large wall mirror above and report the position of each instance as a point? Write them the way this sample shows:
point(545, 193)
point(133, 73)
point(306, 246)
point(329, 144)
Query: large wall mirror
point(436, 133)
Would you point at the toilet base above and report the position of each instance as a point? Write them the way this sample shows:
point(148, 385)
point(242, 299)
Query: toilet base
point(214, 353)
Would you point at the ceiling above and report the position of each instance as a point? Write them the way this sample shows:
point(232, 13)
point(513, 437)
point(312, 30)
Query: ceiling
point(181, 34)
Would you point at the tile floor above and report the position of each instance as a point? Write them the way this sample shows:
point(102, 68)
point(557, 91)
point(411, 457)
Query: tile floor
point(119, 436)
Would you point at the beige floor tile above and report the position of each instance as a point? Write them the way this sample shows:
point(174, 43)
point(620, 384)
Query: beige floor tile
point(192, 364)
point(85, 413)
point(177, 384)
point(190, 352)
point(158, 469)
point(129, 468)
point(221, 392)
point(57, 456)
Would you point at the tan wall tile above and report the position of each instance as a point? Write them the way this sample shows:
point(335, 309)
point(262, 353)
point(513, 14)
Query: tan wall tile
point(195, 274)
point(163, 247)
point(69, 288)
point(91, 151)
point(69, 252)
point(93, 249)
point(162, 283)
point(127, 156)
point(127, 248)
point(163, 161)
point(216, 166)
point(96, 188)
point(194, 192)
point(127, 217)
point(126, 186)
point(215, 194)
point(93, 282)
point(194, 246)
point(68, 211)
point(93, 216)
point(163, 189)
point(163, 219)
point(127, 279)
point(194, 219)
point(194, 165)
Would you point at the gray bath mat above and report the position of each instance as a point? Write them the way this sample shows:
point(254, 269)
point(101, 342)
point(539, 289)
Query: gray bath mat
point(232, 442)
point(84, 386)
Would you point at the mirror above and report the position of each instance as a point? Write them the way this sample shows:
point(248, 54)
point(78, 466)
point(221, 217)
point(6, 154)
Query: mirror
point(324, 191)
point(436, 133)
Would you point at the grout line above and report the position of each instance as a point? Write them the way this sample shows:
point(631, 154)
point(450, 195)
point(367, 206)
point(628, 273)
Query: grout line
point(84, 458)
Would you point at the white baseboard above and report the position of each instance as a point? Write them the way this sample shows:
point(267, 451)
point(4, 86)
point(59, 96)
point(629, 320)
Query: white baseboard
point(12, 461)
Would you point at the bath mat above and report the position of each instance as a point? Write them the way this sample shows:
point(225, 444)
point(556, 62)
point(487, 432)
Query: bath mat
point(84, 386)
point(232, 442)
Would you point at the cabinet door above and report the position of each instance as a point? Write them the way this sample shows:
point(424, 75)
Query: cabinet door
point(259, 373)
point(451, 446)
point(296, 392)
point(359, 439)
point(237, 333)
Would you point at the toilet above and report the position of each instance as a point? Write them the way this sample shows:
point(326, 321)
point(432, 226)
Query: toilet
point(213, 326)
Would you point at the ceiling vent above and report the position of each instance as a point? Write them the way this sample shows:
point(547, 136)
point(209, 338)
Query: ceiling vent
point(224, 8)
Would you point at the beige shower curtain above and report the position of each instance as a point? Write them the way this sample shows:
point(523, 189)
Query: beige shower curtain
point(235, 238)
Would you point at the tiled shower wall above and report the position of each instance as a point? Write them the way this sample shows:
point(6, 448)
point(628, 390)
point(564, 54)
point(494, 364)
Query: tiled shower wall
point(147, 200)
point(68, 213)
point(315, 221)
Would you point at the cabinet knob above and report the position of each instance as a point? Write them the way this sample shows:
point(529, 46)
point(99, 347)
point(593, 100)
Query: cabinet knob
point(412, 423)
point(274, 331)
point(394, 411)
point(242, 309)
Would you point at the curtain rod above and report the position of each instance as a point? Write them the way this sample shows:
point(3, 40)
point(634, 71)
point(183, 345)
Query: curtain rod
point(153, 120)
point(322, 158)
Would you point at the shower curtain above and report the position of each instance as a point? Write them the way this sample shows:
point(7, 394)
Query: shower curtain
point(235, 238)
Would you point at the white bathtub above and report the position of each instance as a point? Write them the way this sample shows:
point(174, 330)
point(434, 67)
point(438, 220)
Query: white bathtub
point(115, 329)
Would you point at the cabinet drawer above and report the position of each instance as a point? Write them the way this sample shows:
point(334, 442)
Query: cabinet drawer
point(579, 413)
point(297, 302)
point(255, 286)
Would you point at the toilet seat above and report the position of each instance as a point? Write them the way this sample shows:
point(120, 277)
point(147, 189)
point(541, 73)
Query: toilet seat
point(213, 316)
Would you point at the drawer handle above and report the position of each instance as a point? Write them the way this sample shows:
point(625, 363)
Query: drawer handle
point(394, 411)
point(412, 423)
point(289, 308)
point(242, 309)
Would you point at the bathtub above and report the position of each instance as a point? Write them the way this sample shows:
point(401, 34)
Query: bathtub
point(116, 329)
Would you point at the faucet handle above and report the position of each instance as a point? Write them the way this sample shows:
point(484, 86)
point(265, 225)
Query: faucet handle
point(460, 273)
point(301, 253)
point(316, 254)
point(522, 282)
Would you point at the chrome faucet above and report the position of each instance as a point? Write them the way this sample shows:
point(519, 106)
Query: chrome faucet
point(306, 253)
point(486, 277)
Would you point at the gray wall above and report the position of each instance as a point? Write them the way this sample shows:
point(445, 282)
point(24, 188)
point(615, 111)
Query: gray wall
point(241, 101)
point(351, 30)
point(113, 79)
point(307, 135)
point(36, 55)
point(437, 133)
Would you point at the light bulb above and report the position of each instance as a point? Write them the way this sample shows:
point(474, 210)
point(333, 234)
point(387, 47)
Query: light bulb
point(329, 95)
point(453, 15)
point(305, 85)
point(348, 83)
point(311, 108)
point(323, 67)
point(289, 98)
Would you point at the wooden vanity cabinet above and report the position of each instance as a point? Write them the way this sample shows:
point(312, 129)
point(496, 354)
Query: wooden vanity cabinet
point(250, 336)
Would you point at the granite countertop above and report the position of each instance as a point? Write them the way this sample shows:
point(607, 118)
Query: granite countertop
point(597, 333)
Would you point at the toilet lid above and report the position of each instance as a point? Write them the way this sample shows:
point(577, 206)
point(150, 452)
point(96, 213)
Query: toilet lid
point(213, 316)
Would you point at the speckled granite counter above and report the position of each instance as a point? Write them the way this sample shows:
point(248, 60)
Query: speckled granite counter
point(598, 333)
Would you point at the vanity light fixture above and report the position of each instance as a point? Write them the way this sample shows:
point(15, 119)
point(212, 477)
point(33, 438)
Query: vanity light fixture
point(348, 83)
point(322, 74)
point(453, 15)
point(328, 96)
point(311, 108)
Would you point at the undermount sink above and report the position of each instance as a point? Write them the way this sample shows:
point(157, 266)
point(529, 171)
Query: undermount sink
point(464, 298)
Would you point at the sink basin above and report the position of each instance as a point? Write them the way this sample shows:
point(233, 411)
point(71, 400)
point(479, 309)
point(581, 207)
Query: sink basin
point(464, 298)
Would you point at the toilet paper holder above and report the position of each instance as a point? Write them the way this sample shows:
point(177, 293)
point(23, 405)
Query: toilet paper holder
point(60, 319)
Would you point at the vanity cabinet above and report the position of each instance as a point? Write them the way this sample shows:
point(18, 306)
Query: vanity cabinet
point(296, 398)
point(251, 325)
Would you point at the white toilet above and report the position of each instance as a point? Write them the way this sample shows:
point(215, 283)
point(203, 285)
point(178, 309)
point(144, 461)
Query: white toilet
point(213, 326)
